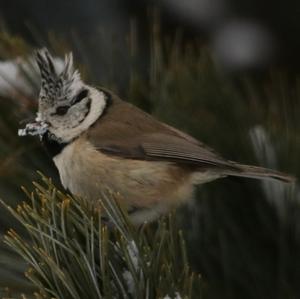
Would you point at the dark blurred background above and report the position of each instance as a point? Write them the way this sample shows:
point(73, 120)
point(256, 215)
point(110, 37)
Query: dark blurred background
point(242, 34)
point(225, 71)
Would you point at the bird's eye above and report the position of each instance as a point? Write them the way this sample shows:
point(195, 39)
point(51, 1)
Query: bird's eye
point(62, 110)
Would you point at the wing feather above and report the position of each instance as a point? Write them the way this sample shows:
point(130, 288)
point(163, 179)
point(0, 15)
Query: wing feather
point(128, 132)
point(175, 148)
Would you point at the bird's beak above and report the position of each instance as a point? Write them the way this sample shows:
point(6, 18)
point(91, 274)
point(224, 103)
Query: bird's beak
point(37, 127)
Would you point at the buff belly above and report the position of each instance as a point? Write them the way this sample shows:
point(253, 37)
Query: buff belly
point(152, 187)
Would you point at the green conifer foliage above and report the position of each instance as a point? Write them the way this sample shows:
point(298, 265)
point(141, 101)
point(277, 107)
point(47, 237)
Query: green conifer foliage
point(76, 250)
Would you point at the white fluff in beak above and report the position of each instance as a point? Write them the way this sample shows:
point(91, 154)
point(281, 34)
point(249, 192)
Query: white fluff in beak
point(34, 128)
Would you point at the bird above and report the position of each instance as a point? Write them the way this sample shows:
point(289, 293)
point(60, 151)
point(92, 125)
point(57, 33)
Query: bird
point(98, 142)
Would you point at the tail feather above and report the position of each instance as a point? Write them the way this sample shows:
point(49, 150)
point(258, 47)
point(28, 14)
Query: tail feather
point(260, 173)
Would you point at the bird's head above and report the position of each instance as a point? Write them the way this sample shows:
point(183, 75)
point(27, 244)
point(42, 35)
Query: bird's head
point(66, 106)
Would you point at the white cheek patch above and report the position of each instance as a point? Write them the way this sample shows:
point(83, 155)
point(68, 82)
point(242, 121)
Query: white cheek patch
point(97, 105)
point(79, 112)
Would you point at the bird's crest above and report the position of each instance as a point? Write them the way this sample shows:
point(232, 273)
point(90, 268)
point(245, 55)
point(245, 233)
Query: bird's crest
point(56, 86)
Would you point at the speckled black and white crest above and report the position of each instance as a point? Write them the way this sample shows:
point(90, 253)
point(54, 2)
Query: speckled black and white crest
point(56, 86)
point(67, 105)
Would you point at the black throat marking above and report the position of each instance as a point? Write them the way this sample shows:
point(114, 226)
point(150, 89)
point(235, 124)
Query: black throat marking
point(53, 146)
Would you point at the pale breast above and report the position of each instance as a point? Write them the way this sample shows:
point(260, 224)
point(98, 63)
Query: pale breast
point(86, 172)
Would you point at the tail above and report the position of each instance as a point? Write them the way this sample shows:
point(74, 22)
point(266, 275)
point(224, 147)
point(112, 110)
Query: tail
point(260, 173)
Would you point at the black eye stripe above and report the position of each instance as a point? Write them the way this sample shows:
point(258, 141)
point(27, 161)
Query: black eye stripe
point(83, 94)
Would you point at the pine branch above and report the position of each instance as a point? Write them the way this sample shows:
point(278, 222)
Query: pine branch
point(75, 251)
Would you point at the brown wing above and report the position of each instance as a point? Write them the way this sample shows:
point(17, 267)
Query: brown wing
point(128, 132)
